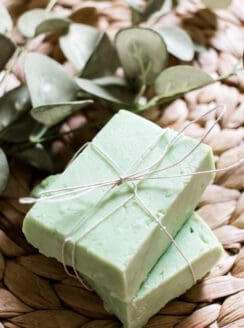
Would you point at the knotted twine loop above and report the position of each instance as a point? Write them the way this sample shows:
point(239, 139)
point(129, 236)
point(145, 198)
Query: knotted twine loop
point(132, 179)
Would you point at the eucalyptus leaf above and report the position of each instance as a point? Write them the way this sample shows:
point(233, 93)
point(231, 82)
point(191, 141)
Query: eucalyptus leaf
point(29, 21)
point(111, 80)
point(142, 53)
point(103, 60)
point(135, 4)
point(178, 42)
point(52, 25)
point(167, 5)
point(37, 156)
point(217, 3)
point(177, 80)
point(79, 43)
point(48, 82)
point(7, 49)
point(4, 171)
point(20, 130)
point(152, 10)
point(152, 7)
point(6, 23)
point(14, 104)
point(53, 114)
point(114, 93)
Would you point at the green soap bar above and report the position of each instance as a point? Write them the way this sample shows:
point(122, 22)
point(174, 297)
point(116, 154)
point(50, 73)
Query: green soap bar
point(170, 277)
point(117, 252)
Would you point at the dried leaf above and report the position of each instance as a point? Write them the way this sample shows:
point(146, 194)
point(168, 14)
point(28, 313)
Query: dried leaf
point(31, 289)
point(4, 171)
point(142, 53)
point(7, 50)
point(11, 306)
point(214, 288)
point(6, 23)
point(81, 300)
point(217, 194)
point(46, 267)
point(218, 214)
point(50, 319)
point(178, 42)
point(86, 15)
point(177, 80)
point(232, 309)
point(201, 318)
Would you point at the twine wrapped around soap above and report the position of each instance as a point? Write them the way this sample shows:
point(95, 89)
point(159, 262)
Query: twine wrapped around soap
point(132, 180)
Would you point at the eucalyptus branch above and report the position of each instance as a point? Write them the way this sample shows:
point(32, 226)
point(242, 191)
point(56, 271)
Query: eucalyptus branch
point(20, 49)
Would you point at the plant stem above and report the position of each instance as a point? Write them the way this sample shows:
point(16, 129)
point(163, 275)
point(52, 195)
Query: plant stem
point(50, 5)
point(14, 60)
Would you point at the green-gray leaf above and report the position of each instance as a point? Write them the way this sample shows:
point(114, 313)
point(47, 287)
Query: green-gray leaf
point(178, 42)
point(37, 157)
point(14, 104)
point(109, 90)
point(103, 61)
point(79, 44)
point(217, 3)
point(52, 25)
point(7, 49)
point(135, 4)
point(4, 171)
point(142, 53)
point(6, 23)
point(48, 81)
point(153, 10)
point(20, 130)
point(177, 80)
point(28, 22)
point(53, 114)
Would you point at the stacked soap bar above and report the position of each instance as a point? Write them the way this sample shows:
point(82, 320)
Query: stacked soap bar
point(170, 277)
point(116, 235)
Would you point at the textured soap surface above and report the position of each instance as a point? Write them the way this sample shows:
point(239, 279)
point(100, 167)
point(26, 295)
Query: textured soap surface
point(118, 252)
point(171, 276)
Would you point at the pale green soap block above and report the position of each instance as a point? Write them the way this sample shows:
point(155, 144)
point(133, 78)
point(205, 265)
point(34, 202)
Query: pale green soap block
point(171, 276)
point(117, 253)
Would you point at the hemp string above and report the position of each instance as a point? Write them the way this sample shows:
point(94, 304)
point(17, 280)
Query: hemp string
point(130, 179)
